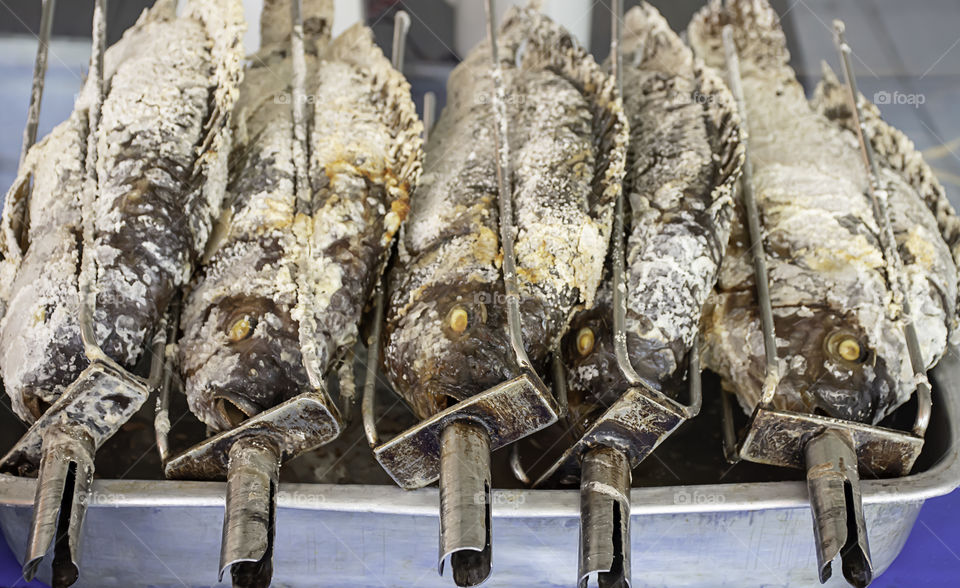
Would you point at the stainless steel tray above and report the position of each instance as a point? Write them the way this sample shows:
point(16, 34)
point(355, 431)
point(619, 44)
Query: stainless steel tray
point(162, 533)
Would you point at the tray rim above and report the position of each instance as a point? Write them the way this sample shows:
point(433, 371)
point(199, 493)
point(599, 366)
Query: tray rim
point(940, 479)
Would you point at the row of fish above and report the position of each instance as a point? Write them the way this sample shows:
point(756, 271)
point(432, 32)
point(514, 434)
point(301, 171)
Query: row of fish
point(277, 216)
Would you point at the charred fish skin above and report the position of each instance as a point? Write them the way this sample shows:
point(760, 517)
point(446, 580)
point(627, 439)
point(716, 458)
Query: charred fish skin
point(446, 330)
point(240, 350)
point(918, 206)
point(170, 85)
point(41, 254)
point(365, 159)
point(831, 285)
point(683, 162)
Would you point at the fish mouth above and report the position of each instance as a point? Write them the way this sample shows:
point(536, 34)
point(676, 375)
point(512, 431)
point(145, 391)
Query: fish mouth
point(233, 409)
point(34, 403)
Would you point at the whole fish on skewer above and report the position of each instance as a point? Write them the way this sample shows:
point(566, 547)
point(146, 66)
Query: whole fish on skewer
point(682, 165)
point(162, 141)
point(284, 287)
point(446, 327)
point(832, 286)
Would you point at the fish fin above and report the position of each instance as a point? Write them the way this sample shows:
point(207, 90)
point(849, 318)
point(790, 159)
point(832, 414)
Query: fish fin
point(649, 41)
point(728, 148)
point(760, 40)
point(893, 150)
point(275, 23)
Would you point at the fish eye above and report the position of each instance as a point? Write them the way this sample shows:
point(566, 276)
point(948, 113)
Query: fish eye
point(585, 341)
point(241, 328)
point(846, 347)
point(458, 319)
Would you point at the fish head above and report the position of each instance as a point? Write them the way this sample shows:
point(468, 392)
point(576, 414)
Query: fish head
point(242, 358)
point(453, 343)
point(594, 379)
point(829, 367)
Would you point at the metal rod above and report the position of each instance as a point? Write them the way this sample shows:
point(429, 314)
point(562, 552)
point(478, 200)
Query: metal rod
point(618, 253)
point(368, 404)
point(64, 485)
point(505, 199)
point(878, 197)
point(164, 379)
point(465, 503)
point(694, 383)
point(88, 299)
point(772, 376)
point(39, 75)
point(604, 518)
point(401, 26)
point(429, 114)
point(730, 450)
point(248, 524)
point(299, 107)
point(834, 486)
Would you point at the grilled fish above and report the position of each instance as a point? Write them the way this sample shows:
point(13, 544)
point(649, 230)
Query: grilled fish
point(161, 167)
point(839, 328)
point(284, 287)
point(684, 159)
point(446, 328)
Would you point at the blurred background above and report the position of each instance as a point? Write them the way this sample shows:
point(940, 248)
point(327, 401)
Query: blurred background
point(906, 56)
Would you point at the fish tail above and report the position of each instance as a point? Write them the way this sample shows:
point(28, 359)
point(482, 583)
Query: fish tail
point(646, 35)
point(894, 150)
point(722, 115)
point(759, 38)
point(275, 22)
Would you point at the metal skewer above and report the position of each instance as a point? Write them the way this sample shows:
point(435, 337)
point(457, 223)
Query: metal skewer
point(629, 430)
point(878, 197)
point(833, 482)
point(465, 516)
point(401, 24)
point(39, 75)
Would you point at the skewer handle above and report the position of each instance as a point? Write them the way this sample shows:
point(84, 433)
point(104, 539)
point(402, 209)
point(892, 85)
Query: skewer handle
point(247, 544)
point(465, 503)
point(64, 484)
point(834, 486)
point(605, 518)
